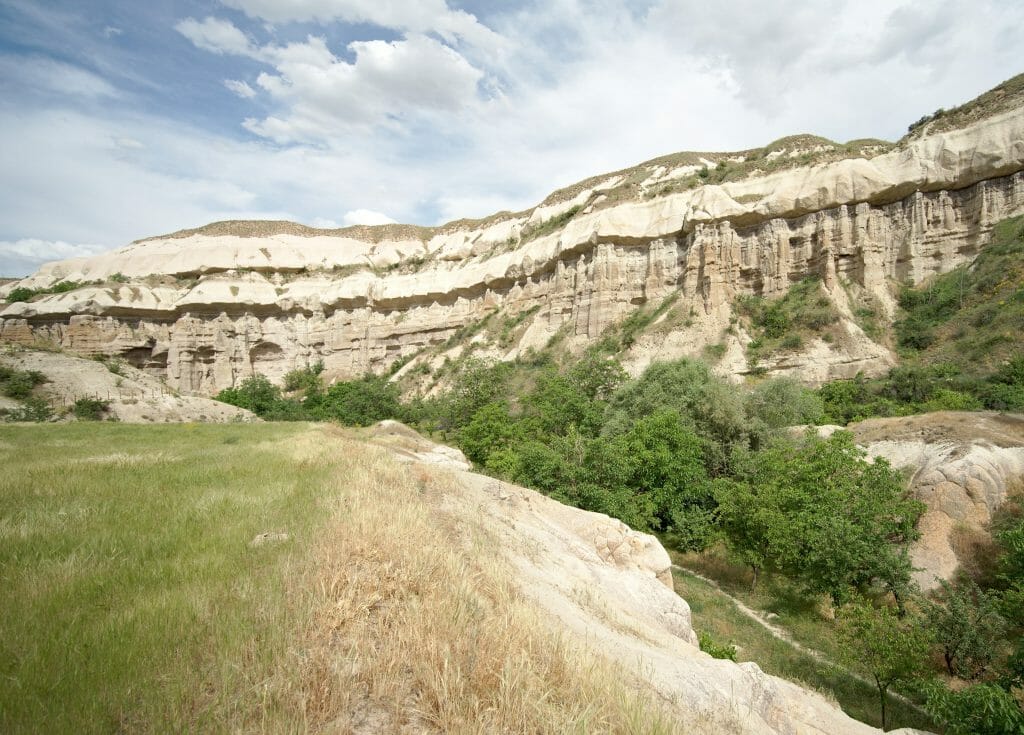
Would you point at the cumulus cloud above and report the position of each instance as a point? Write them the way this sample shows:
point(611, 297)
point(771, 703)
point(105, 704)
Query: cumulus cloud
point(216, 35)
point(242, 89)
point(366, 217)
point(320, 94)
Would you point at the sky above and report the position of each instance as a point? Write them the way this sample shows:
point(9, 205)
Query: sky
point(123, 119)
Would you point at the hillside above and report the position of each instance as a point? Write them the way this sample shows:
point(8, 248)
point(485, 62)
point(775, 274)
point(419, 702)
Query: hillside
point(204, 308)
point(365, 583)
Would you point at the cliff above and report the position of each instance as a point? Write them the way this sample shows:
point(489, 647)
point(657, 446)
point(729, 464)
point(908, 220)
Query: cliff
point(205, 308)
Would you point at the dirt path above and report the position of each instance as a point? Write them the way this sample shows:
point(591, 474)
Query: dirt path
point(784, 636)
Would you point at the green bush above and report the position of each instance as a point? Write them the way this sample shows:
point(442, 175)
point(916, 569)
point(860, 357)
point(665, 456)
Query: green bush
point(714, 649)
point(89, 409)
point(33, 409)
point(361, 402)
point(304, 379)
point(256, 394)
point(18, 384)
point(981, 709)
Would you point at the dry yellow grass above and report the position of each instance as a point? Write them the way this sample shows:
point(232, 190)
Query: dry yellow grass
point(415, 625)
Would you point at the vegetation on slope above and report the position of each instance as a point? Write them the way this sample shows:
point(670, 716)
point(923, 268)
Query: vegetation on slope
point(251, 578)
point(1001, 98)
point(959, 339)
point(785, 323)
point(680, 452)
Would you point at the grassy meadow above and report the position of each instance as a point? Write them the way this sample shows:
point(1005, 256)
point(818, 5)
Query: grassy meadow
point(134, 601)
point(132, 598)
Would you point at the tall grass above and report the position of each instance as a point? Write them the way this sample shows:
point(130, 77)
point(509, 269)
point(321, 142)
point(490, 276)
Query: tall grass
point(417, 625)
point(134, 601)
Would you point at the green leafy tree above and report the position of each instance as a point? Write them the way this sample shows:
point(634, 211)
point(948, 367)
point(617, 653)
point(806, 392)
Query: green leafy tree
point(256, 393)
point(888, 648)
point(491, 428)
point(980, 709)
point(665, 460)
point(781, 402)
point(816, 510)
point(476, 384)
point(712, 407)
point(359, 402)
point(967, 627)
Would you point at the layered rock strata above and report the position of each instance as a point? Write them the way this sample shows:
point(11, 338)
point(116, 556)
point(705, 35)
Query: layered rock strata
point(205, 309)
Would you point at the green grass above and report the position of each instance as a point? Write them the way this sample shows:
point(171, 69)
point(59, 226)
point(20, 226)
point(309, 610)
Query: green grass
point(131, 597)
point(784, 323)
point(973, 315)
point(716, 615)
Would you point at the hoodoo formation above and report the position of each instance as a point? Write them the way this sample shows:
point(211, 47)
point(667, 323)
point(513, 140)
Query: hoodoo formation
point(205, 308)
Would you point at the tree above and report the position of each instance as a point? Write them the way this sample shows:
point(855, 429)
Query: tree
point(981, 709)
point(780, 402)
point(490, 429)
point(816, 510)
point(968, 628)
point(888, 648)
point(359, 402)
point(256, 394)
point(665, 461)
point(712, 407)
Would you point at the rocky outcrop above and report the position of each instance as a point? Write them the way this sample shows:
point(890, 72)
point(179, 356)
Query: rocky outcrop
point(129, 394)
point(963, 466)
point(608, 589)
point(206, 308)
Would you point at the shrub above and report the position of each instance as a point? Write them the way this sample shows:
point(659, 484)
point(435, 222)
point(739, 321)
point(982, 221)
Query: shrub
point(715, 650)
point(89, 409)
point(34, 409)
point(21, 294)
point(304, 379)
point(360, 402)
point(18, 384)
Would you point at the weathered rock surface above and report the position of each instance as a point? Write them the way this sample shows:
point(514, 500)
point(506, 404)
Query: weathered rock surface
point(609, 588)
point(205, 308)
point(133, 395)
point(963, 465)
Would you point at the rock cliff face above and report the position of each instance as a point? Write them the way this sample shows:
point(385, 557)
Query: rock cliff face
point(205, 308)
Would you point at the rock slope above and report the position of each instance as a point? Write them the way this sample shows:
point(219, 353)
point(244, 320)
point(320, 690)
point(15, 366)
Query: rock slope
point(131, 395)
point(609, 588)
point(205, 308)
point(963, 466)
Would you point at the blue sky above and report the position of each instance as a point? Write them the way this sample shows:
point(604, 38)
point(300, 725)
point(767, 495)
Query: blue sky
point(124, 119)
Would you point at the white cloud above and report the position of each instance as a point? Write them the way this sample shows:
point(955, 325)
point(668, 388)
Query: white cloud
point(35, 249)
point(21, 257)
point(42, 74)
point(111, 31)
point(242, 89)
point(366, 217)
point(433, 126)
point(216, 35)
point(321, 95)
point(415, 16)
